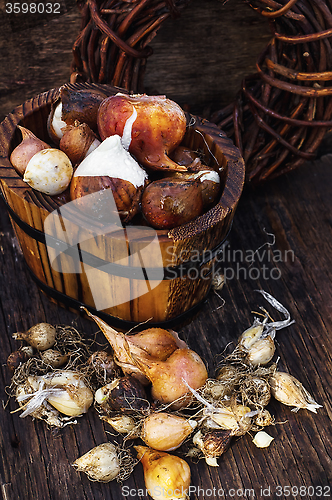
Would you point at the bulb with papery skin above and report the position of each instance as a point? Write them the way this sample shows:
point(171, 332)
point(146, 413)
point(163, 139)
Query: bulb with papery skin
point(23, 153)
point(150, 344)
point(108, 167)
point(168, 203)
point(166, 432)
point(150, 126)
point(166, 476)
point(170, 378)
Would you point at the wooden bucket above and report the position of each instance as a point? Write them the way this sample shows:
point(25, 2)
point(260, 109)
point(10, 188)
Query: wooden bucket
point(157, 276)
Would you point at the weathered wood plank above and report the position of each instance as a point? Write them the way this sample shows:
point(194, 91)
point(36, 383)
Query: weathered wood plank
point(300, 453)
point(295, 209)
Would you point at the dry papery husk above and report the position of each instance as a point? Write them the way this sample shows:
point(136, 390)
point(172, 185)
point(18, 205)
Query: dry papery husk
point(76, 350)
point(128, 426)
point(118, 458)
point(239, 400)
point(69, 342)
point(249, 383)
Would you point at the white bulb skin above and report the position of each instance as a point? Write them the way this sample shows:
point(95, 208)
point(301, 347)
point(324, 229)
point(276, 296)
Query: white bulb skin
point(49, 171)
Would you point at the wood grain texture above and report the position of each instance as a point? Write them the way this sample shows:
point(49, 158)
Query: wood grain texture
point(295, 211)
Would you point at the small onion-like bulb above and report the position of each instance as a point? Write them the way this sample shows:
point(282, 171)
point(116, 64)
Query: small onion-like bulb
point(102, 363)
point(72, 396)
point(261, 352)
point(251, 335)
point(54, 358)
point(236, 419)
point(166, 432)
point(263, 419)
point(40, 336)
point(288, 390)
point(100, 464)
point(165, 475)
point(23, 153)
point(16, 358)
point(212, 444)
point(124, 394)
point(44, 411)
point(124, 424)
point(49, 171)
point(78, 141)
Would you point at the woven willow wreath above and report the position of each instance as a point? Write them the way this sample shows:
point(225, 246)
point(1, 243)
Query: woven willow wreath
point(281, 113)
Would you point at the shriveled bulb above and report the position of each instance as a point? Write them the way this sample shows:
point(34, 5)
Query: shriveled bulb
point(289, 391)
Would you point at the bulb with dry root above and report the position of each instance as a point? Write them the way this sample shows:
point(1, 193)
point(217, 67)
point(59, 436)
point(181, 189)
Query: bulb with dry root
point(104, 463)
point(213, 444)
point(65, 390)
point(40, 336)
point(24, 394)
point(102, 364)
point(230, 416)
point(166, 476)
point(150, 344)
point(261, 352)
point(125, 394)
point(123, 424)
point(54, 358)
point(227, 378)
point(16, 358)
point(263, 419)
point(165, 431)
point(257, 342)
point(288, 390)
point(255, 391)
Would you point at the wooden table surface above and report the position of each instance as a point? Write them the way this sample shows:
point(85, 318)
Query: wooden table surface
point(287, 226)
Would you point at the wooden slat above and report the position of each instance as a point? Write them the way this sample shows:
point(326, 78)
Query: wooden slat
point(295, 210)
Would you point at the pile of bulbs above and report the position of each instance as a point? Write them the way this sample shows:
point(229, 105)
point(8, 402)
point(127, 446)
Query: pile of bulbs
point(124, 149)
point(150, 386)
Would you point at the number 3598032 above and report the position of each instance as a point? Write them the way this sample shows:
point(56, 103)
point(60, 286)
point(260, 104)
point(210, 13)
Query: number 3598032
point(33, 8)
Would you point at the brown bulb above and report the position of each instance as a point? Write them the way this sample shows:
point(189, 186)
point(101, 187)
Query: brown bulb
point(151, 126)
point(169, 203)
point(81, 105)
point(78, 141)
point(183, 155)
point(123, 193)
